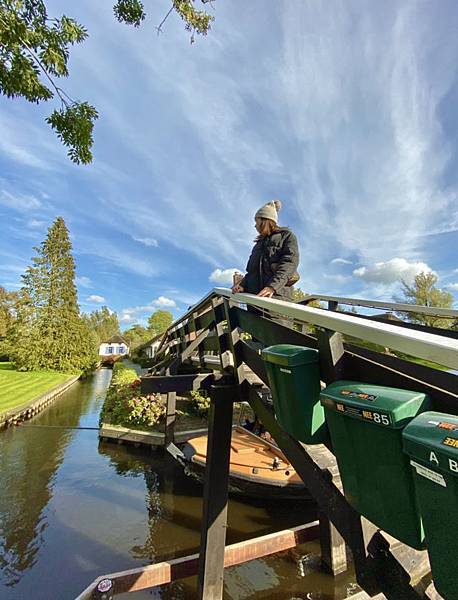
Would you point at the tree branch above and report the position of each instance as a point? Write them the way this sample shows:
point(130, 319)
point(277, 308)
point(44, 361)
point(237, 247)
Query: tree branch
point(159, 27)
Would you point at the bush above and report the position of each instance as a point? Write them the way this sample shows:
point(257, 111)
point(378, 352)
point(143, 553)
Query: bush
point(200, 403)
point(124, 404)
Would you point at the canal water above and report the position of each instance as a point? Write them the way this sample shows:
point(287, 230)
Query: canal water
point(72, 509)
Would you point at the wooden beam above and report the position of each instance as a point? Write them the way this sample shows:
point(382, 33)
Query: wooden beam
point(163, 573)
point(216, 484)
point(151, 384)
point(267, 331)
point(331, 355)
point(328, 497)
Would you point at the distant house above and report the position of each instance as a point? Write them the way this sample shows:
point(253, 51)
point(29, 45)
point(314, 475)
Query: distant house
point(149, 348)
point(115, 346)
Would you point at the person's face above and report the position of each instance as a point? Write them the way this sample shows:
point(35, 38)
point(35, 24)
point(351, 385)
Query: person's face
point(257, 224)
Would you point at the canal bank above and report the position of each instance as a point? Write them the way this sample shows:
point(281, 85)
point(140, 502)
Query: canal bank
point(72, 509)
point(29, 409)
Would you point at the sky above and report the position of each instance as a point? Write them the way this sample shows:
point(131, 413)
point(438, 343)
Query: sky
point(344, 111)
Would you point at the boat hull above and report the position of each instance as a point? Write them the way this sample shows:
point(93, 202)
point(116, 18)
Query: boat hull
point(252, 471)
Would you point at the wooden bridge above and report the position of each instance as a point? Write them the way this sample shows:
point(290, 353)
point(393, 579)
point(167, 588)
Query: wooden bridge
point(220, 337)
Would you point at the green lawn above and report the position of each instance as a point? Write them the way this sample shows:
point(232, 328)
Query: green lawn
point(17, 387)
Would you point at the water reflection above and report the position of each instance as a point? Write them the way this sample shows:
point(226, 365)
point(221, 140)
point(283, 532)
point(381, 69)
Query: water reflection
point(72, 508)
point(29, 460)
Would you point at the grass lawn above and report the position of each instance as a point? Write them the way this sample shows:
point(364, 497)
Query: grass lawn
point(17, 388)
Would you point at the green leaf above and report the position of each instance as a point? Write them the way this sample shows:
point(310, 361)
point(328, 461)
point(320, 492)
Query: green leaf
point(74, 126)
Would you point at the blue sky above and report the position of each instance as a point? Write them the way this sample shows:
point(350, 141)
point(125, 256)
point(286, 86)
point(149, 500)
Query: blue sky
point(346, 112)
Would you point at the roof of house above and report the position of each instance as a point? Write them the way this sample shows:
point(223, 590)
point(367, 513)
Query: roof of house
point(156, 338)
point(117, 339)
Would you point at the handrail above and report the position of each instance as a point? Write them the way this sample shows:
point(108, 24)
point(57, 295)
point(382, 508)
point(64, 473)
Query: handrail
point(446, 313)
point(428, 346)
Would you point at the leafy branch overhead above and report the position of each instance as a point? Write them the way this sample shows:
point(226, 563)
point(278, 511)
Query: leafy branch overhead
point(34, 54)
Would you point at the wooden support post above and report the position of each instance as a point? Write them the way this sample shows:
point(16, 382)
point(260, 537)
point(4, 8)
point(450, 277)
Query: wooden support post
point(331, 349)
point(171, 415)
point(221, 326)
point(214, 518)
point(346, 520)
point(333, 547)
point(330, 346)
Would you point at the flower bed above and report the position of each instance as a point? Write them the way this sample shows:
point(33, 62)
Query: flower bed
point(125, 405)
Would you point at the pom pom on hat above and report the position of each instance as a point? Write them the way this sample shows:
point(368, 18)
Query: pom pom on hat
point(269, 211)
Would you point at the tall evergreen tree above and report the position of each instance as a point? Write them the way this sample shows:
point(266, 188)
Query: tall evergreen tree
point(50, 333)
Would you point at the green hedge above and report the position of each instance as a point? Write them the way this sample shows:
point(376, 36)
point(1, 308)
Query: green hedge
point(124, 405)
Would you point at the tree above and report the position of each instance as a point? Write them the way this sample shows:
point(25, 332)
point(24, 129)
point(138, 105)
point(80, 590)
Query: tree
point(159, 321)
point(49, 333)
point(297, 295)
point(7, 318)
point(137, 334)
point(103, 323)
point(7, 301)
point(423, 292)
point(34, 53)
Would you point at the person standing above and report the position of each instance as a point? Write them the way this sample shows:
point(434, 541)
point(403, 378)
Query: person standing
point(272, 267)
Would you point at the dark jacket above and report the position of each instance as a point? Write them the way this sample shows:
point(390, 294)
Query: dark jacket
point(273, 261)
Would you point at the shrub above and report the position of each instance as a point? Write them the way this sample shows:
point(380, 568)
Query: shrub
point(200, 403)
point(124, 404)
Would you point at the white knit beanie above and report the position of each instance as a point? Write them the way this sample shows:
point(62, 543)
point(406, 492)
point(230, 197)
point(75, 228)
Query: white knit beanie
point(269, 211)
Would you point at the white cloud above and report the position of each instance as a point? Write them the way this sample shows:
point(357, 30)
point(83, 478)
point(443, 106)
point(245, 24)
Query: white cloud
point(391, 271)
point(163, 302)
point(337, 278)
point(125, 318)
point(96, 298)
point(223, 276)
point(150, 242)
point(340, 261)
point(452, 286)
point(122, 258)
point(84, 281)
point(19, 202)
point(35, 223)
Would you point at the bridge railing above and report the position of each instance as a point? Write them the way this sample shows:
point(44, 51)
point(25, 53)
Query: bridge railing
point(222, 335)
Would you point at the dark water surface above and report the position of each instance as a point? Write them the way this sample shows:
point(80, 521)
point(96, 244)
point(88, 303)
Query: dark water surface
point(72, 509)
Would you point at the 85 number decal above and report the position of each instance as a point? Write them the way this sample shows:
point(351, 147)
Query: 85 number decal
point(381, 419)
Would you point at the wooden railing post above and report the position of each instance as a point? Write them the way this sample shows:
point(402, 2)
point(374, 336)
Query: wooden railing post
point(214, 518)
point(171, 415)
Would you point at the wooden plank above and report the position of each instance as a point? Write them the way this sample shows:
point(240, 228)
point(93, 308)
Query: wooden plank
point(151, 384)
point(162, 573)
point(150, 438)
point(267, 331)
point(331, 349)
point(360, 366)
point(216, 483)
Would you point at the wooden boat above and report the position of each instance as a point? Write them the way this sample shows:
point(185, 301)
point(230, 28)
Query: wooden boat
point(257, 467)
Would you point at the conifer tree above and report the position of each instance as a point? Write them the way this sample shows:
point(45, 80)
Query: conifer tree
point(50, 333)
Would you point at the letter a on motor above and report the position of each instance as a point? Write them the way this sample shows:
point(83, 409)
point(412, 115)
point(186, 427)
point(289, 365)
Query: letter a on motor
point(433, 458)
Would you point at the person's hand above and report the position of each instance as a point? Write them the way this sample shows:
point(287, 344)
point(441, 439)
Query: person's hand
point(266, 292)
point(237, 289)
